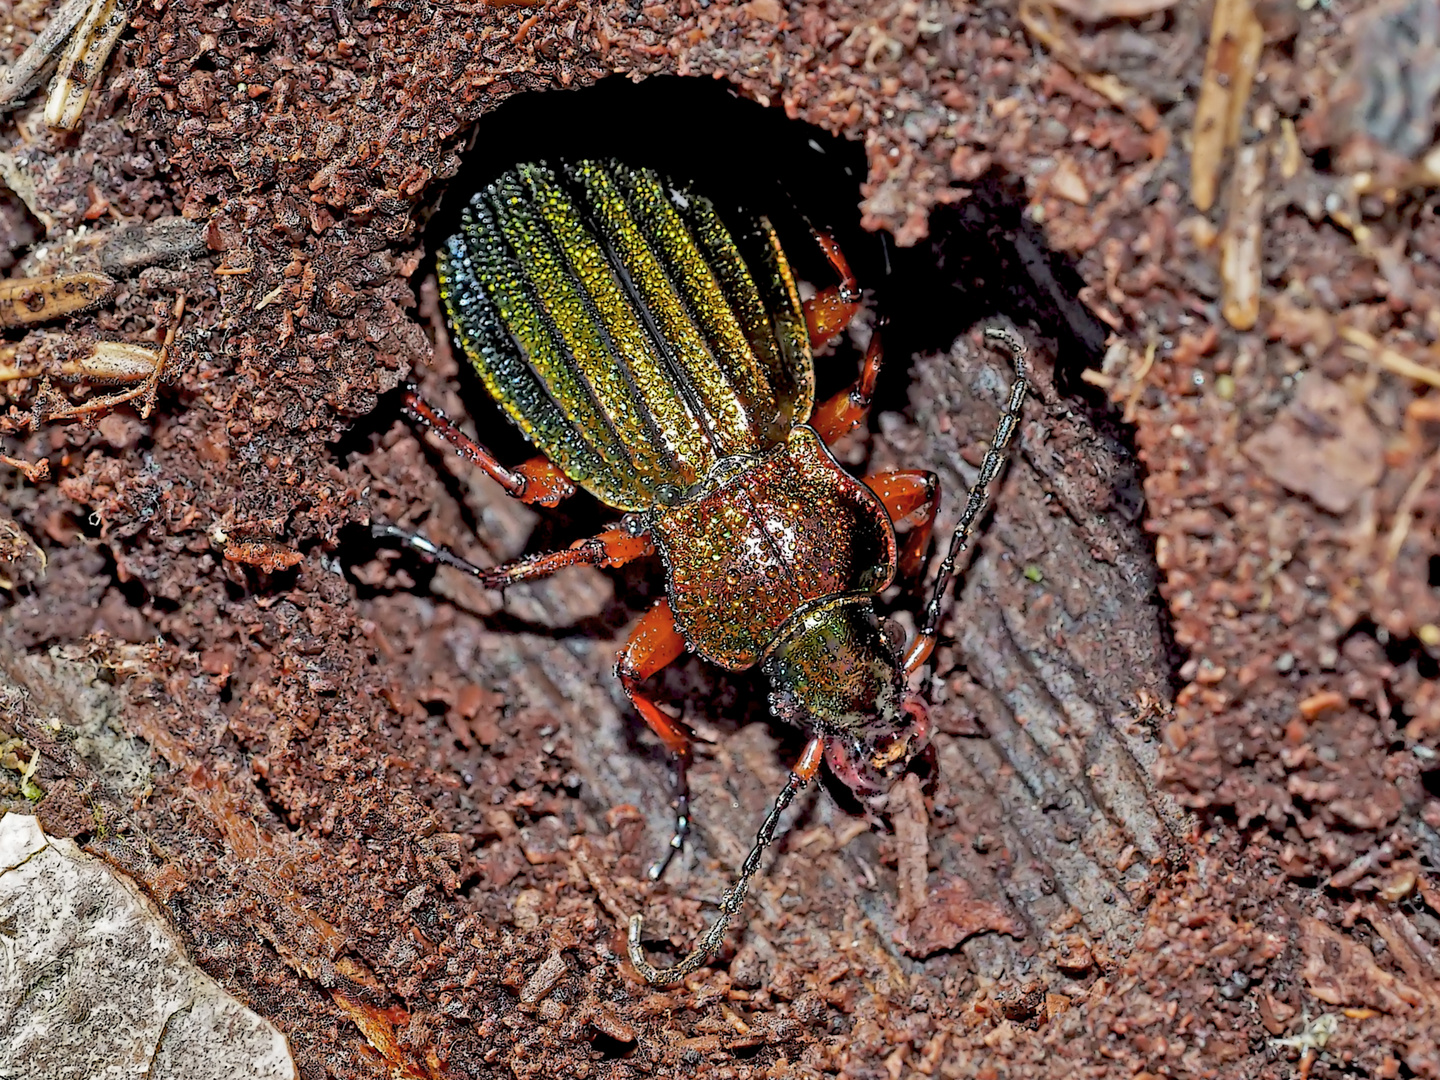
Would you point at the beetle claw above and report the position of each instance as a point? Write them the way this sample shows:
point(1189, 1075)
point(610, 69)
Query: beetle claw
point(682, 830)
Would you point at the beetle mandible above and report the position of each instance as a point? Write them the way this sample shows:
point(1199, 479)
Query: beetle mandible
point(659, 356)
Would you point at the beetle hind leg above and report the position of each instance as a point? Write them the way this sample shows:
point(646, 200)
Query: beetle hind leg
point(614, 547)
point(654, 644)
point(536, 481)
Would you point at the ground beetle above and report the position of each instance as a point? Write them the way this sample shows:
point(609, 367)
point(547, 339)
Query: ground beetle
point(658, 354)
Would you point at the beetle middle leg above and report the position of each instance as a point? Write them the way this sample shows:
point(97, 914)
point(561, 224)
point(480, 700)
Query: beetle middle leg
point(536, 481)
point(656, 643)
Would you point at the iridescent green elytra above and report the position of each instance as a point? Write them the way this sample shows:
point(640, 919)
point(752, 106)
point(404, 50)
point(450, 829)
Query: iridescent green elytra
point(557, 271)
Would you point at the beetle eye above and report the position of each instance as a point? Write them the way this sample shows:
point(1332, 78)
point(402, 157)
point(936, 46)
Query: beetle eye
point(894, 635)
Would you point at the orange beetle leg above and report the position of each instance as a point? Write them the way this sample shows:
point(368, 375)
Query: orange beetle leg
point(536, 481)
point(911, 496)
point(919, 652)
point(846, 410)
point(545, 484)
point(614, 547)
point(827, 313)
point(830, 310)
point(653, 644)
point(810, 758)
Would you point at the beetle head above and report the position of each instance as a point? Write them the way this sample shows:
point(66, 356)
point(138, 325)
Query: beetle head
point(835, 669)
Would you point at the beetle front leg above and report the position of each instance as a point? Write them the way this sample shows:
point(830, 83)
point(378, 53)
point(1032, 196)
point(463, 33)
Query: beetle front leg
point(537, 481)
point(653, 644)
point(911, 497)
point(614, 547)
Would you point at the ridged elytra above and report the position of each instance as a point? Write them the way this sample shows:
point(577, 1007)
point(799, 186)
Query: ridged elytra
point(656, 352)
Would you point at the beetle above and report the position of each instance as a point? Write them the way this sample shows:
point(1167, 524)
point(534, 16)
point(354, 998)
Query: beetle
point(658, 354)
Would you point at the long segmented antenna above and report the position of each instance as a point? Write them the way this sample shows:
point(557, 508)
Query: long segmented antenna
point(979, 494)
point(734, 897)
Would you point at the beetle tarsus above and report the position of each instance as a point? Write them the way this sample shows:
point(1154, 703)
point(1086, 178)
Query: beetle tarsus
point(614, 547)
point(428, 548)
point(682, 818)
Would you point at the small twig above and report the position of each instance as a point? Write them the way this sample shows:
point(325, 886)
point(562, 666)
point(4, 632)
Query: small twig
point(24, 76)
point(1405, 511)
point(35, 471)
point(1388, 358)
point(83, 62)
point(1137, 382)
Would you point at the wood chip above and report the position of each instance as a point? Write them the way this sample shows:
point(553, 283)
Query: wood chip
point(39, 299)
point(1231, 58)
point(546, 977)
point(604, 1019)
point(264, 554)
point(1240, 242)
point(83, 63)
point(1372, 351)
point(933, 919)
point(1323, 702)
point(19, 80)
point(1067, 183)
point(1323, 445)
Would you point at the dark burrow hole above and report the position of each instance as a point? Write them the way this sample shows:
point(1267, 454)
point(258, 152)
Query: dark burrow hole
point(984, 258)
point(1367, 643)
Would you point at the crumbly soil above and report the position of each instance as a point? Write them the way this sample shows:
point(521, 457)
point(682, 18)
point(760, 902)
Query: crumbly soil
point(1182, 816)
